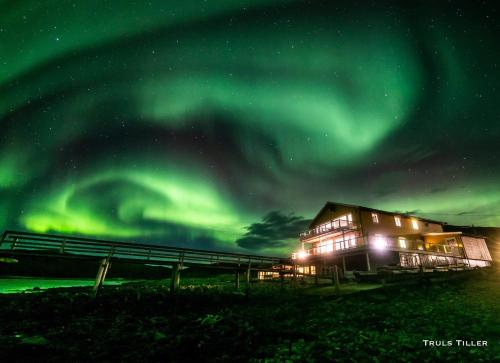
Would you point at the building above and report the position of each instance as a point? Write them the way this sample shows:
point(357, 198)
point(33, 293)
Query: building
point(356, 238)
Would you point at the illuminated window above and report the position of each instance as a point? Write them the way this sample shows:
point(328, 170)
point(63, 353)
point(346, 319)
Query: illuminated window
point(397, 220)
point(375, 217)
point(326, 246)
point(414, 223)
point(402, 242)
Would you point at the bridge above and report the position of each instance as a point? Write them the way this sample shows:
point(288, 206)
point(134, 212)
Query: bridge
point(15, 244)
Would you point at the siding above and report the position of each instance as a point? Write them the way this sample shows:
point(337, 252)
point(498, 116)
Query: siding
point(332, 212)
point(475, 248)
point(387, 225)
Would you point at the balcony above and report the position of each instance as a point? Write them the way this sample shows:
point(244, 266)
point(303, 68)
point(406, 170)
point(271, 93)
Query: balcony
point(331, 248)
point(333, 226)
point(379, 242)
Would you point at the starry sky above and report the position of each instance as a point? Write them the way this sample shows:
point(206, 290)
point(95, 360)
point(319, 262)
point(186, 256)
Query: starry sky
point(228, 124)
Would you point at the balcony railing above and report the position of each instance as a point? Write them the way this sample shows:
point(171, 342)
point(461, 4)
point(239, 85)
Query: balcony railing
point(331, 248)
point(416, 245)
point(379, 243)
point(333, 226)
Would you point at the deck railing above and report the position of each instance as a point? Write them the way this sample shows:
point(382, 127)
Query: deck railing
point(333, 226)
point(379, 243)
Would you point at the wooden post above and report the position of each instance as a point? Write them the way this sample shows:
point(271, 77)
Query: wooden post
point(237, 280)
point(282, 280)
point(343, 265)
point(336, 279)
point(247, 287)
point(104, 265)
point(368, 262)
point(294, 277)
point(63, 244)
point(14, 243)
point(175, 279)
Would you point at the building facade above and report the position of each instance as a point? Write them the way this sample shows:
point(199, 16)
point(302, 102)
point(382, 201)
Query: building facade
point(357, 238)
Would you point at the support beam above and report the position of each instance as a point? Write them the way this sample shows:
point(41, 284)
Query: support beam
point(175, 279)
point(336, 279)
point(247, 287)
point(237, 280)
point(343, 265)
point(368, 262)
point(104, 265)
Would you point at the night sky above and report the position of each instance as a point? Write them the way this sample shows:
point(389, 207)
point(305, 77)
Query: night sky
point(227, 125)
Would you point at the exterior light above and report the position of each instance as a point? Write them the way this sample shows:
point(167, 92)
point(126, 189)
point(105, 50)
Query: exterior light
point(380, 243)
point(302, 255)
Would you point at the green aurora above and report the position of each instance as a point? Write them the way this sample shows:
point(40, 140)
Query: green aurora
point(186, 122)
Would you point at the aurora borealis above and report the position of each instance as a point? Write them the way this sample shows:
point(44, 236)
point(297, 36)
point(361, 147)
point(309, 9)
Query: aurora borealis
point(196, 123)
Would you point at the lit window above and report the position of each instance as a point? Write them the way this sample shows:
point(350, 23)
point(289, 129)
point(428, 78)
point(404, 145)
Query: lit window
point(326, 246)
point(397, 220)
point(414, 223)
point(375, 217)
point(402, 242)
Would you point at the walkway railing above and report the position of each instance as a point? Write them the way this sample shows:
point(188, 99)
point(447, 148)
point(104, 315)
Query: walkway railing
point(68, 246)
point(35, 244)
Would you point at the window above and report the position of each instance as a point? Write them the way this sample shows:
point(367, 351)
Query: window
point(375, 217)
point(326, 246)
point(397, 220)
point(414, 223)
point(402, 242)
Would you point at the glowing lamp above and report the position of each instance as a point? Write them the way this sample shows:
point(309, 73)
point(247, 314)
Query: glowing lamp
point(302, 254)
point(380, 243)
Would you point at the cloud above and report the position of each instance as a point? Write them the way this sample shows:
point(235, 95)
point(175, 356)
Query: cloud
point(275, 231)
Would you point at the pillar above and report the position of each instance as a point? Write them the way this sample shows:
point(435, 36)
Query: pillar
point(336, 279)
point(247, 287)
point(175, 279)
point(368, 262)
point(237, 280)
point(104, 265)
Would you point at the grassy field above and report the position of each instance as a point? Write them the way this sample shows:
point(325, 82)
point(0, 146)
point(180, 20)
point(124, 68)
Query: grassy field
point(209, 322)
point(19, 284)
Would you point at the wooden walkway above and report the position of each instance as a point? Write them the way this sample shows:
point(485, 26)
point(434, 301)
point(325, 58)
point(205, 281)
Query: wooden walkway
point(15, 244)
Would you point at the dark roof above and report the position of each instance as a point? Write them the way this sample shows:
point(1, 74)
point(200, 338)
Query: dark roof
point(328, 204)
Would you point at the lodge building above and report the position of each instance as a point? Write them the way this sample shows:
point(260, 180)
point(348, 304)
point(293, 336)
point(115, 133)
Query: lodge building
point(357, 238)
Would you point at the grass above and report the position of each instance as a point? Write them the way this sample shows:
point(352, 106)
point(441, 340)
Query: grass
point(209, 321)
point(19, 284)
